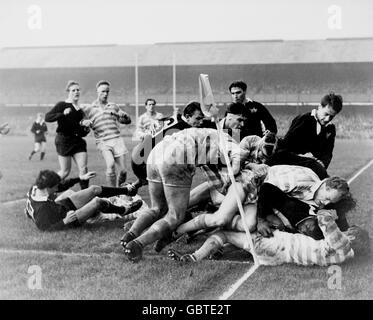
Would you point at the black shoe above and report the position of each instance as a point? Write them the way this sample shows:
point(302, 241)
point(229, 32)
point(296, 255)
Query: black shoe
point(177, 256)
point(135, 206)
point(217, 255)
point(127, 237)
point(131, 188)
point(133, 251)
point(163, 242)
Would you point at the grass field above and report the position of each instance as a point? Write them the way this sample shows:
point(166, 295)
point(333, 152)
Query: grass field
point(88, 263)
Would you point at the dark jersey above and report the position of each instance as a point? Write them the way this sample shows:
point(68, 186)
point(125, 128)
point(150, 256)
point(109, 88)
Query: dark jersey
point(68, 125)
point(39, 130)
point(45, 212)
point(257, 114)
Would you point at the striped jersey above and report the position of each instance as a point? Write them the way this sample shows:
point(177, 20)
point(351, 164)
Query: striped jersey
point(300, 249)
point(105, 125)
point(296, 181)
point(149, 124)
point(195, 146)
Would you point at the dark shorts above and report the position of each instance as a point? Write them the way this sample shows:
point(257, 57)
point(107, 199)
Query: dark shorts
point(67, 146)
point(40, 139)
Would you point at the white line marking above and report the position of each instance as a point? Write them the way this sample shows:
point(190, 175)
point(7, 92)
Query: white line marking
point(360, 171)
point(232, 289)
point(11, 202)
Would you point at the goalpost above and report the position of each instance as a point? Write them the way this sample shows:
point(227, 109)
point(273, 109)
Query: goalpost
point(209, 108)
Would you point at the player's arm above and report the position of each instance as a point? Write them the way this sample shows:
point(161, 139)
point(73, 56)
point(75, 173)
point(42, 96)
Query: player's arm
point(268, 120)
point(325, 154)
point(57, 112)
point(68, 183)
point(122, 116)
point(334, 237)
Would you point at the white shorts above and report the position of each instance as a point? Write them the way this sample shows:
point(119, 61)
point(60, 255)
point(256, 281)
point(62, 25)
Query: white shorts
point(116, 146)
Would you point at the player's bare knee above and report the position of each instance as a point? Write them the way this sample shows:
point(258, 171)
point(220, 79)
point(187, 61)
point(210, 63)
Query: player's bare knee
point(96, 190)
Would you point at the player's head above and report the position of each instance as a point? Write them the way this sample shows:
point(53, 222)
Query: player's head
point(268, 143)
point(48, 179)
point(234, 118)
point(103, 89)
point(193, 114)
point(237, 90)
point(73, 90)
point(359, 240)
point(310, 227)
point(150, 105)
point(331, 190)
point(39, 116)
point(330, 105)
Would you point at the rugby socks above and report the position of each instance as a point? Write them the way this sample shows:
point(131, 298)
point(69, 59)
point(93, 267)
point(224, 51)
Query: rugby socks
point(84, 184)
point(31, 154)
point(197, 223)
point(146, 219)
point(111, 180)
point(122, 177)
point(158, 230)
point(108, 192)
point(211, 245)
point(112, 208)
point(42, 155)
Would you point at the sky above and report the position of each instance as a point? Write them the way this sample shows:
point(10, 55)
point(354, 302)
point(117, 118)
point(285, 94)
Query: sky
point(89, 22)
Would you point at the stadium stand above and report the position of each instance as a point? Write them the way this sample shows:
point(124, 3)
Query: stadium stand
point(276, 71)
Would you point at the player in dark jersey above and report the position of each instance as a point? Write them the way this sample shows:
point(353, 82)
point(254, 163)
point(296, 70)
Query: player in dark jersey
point(39, 129)
point(50, 212)
point(192, 117)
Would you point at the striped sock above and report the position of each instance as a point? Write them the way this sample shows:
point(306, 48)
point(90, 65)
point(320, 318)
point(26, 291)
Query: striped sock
point(211, 245)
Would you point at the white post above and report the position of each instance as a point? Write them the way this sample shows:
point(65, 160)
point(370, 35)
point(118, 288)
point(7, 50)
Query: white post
point(136, 89)
point(174, 82)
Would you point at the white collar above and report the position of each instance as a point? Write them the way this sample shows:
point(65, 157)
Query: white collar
point(318, 125)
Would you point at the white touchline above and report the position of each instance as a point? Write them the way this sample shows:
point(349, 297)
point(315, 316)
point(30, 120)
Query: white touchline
point(11, 202)
point(360, 171)
point(233, 288)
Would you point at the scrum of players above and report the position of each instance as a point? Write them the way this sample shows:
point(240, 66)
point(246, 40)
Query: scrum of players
point(294, 211)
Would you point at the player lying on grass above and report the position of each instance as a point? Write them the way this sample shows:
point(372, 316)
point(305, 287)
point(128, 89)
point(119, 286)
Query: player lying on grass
point(285, 247)
point(50, 212)
point(255, 150)
point(298, 193)
point(171, 166)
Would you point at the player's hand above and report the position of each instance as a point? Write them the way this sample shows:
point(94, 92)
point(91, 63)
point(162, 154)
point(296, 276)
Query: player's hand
point(37, 131)
point(88, 175)
point(67, 111)
point(85, 123)
point(70, 217)
point(264, 228)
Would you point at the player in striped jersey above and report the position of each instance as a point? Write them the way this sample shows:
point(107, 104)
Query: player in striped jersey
point(104, 118)
point(170, 169)
point(284, 247)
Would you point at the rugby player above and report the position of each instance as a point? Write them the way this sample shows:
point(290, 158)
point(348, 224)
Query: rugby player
point(170, 169)
point(50, 212)
point(335, 247)
point(104, 118)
